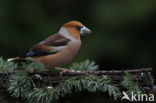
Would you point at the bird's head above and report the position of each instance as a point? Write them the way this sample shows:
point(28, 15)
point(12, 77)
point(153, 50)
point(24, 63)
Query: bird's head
point(76, 29)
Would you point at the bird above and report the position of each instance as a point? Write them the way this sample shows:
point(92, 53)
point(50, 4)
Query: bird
point(58, 49)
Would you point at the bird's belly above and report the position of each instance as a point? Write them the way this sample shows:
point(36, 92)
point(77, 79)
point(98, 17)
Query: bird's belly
point(59, 59)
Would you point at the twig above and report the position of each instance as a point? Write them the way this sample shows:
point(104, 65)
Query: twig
point(102, 72)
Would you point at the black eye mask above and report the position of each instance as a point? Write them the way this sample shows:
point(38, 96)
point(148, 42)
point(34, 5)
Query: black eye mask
point(78, 28)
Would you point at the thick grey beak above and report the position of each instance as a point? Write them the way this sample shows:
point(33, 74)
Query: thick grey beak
point(84, 30)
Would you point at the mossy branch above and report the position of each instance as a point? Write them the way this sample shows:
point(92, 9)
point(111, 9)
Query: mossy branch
point(37, 86)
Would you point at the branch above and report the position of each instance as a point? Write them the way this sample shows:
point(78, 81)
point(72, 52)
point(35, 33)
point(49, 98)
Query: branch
point(98, 73)
point(141, 76)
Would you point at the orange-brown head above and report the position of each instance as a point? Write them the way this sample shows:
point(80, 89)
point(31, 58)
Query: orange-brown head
point(75, 29)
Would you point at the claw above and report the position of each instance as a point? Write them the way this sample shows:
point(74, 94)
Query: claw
point(46, 69)
point(63, 70)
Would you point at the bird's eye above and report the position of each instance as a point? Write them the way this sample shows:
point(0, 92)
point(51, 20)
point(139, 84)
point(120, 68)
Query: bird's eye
point(78, 28)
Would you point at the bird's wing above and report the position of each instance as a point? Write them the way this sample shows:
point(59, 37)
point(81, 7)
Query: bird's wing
point(56, 40)
point(51, 45)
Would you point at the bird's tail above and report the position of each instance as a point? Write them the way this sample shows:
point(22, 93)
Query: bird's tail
point(16, 58)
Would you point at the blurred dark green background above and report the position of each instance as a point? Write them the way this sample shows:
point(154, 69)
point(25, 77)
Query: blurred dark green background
point(123, 30)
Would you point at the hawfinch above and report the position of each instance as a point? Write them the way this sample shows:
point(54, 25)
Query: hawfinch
point(58, 49)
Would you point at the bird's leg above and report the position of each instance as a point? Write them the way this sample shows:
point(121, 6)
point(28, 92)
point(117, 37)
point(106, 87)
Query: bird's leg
point(63, 70)
point(46, 69)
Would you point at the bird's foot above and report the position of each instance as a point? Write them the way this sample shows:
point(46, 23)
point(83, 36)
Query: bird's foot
point(46, 69)
point(63, 70)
